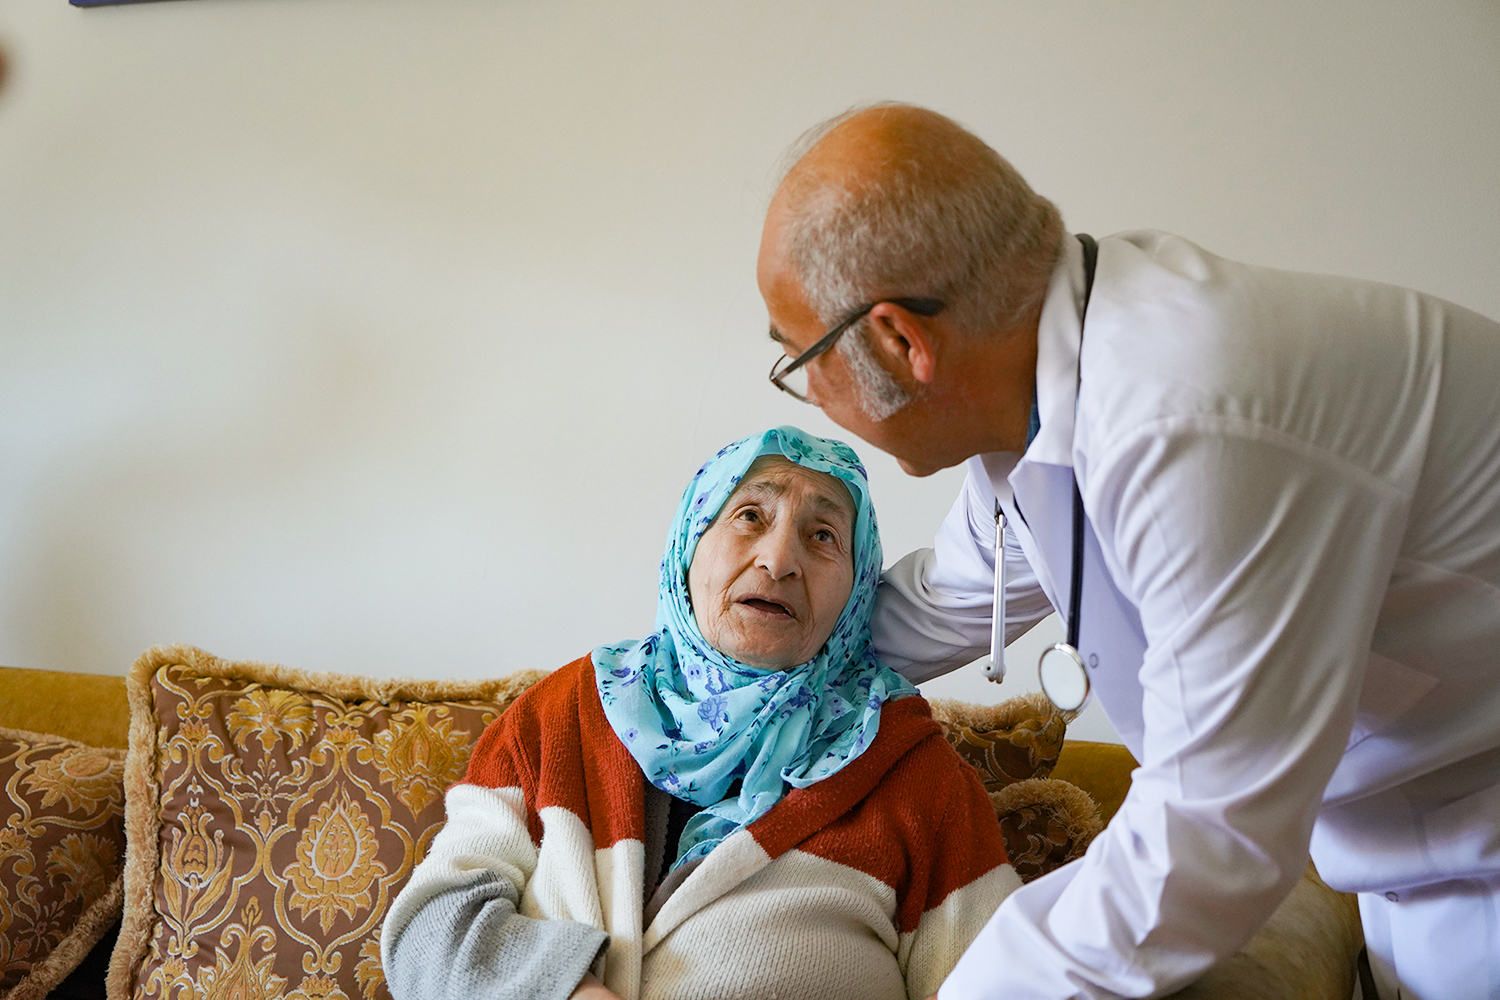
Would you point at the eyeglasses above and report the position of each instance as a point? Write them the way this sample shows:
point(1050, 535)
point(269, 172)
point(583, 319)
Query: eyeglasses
point(790, 375)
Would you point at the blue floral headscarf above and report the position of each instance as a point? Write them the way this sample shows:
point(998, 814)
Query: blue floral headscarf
point(697, 720)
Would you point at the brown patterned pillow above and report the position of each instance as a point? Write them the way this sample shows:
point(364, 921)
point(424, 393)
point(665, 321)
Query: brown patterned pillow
point(1046, 823)
point(274, 814)
point(1014, 745)
point(61, 846)
point(1012, 741)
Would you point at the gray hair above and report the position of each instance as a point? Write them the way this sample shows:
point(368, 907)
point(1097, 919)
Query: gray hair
point(948, 219)
point(877, 393)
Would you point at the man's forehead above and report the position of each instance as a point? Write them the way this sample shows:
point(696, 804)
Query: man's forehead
point(792, 319)
point(780, 284)
point(773, 235)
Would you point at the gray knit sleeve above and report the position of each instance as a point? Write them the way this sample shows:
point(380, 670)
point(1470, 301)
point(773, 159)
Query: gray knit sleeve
point(468, 941)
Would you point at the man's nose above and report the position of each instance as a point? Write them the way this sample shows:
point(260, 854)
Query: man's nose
point(778, 552)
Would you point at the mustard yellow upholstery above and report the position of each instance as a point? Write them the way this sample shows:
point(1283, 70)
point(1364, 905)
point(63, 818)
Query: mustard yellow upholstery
point(89, 708)
point(1101, 769)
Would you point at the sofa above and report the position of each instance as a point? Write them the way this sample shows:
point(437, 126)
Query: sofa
point(265, 814)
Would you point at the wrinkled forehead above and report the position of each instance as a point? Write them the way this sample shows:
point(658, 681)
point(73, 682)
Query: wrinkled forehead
point(773, 475)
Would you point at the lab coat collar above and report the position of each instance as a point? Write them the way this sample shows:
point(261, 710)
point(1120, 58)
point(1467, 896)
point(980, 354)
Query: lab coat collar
point(1059, 334)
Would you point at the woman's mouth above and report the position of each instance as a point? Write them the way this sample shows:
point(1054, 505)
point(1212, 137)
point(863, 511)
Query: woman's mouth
point(767, 607)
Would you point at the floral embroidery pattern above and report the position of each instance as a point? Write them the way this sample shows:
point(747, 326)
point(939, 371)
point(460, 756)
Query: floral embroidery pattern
point(84, 865)
point(336, 863)
point(421, 755)
point(1028, 750)
point(270, 714)
point(289, 820)
point(80, 777)
point(62, 839)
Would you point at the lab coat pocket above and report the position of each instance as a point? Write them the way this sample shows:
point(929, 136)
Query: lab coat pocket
point(1463, 837)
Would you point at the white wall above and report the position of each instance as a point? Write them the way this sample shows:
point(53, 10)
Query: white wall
point(381, 335)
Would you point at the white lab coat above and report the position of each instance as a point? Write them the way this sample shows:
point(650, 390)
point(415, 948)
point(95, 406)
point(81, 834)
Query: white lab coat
point(1291, 609)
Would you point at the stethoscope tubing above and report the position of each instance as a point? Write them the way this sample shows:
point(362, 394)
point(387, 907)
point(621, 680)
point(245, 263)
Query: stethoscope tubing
point(995, 668)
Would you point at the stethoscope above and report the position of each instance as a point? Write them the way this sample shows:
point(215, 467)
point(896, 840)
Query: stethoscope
point(1063, 675)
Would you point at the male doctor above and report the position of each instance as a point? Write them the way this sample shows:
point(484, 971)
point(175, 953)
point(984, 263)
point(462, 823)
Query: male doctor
point(1290, 607)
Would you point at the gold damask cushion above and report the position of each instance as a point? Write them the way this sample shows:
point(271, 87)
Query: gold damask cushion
point(1014, 746)
point(1013, 741)
point(273, 815)
point(62, 843)
point(1045, 824)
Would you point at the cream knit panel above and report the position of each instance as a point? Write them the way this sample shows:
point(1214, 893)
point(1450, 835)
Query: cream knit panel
point(564, 885)
point(927, 954)
point(485, 831)
point(620, 871)
point(738, 858)
point(801, 928)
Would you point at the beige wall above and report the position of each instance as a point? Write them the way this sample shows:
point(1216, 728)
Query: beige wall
point(381, 335)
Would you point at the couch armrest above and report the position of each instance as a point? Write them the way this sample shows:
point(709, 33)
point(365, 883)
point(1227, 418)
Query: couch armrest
point(1101, 769)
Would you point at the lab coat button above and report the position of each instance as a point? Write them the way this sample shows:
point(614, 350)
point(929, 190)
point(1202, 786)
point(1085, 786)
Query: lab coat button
point(1394, 897)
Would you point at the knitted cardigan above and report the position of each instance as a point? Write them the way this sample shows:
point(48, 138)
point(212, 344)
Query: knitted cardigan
point(869, 883)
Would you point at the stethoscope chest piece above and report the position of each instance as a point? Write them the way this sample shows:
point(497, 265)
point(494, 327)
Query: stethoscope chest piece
point(1063, 676)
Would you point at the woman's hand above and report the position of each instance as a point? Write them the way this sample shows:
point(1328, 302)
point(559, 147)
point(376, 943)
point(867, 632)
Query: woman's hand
point(592, 989)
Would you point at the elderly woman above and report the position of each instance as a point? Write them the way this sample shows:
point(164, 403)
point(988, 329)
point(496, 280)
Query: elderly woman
point(743, 803)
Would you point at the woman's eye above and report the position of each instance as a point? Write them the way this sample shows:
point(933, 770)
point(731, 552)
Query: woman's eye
point(749, 514)
point(824, 535)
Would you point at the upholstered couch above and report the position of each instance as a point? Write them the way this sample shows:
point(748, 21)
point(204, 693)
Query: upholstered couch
point(277, 736)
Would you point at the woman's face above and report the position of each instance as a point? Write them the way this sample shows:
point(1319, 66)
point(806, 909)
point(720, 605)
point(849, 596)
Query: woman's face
point(772, 573)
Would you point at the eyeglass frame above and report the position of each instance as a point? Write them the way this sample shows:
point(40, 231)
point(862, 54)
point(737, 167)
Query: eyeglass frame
point(920, 306)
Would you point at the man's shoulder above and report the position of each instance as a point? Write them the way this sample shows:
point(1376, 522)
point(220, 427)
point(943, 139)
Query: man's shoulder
point(1164, 273)
point(1177, 336)
point(1148, 268)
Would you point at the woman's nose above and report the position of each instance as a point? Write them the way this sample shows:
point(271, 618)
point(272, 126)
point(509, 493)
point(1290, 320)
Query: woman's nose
point(778, 552)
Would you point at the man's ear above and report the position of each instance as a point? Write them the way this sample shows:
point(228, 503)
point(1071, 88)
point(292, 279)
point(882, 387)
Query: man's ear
point(905, 341)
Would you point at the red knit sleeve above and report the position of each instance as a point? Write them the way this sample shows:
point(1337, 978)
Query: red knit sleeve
point(556, 745)
point(954, 835)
